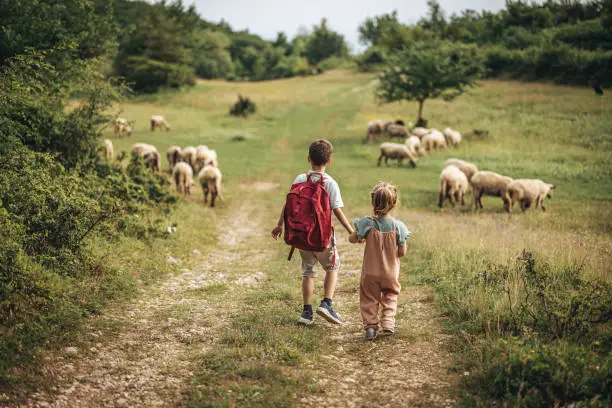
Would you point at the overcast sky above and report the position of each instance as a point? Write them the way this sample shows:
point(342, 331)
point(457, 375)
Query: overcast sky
point(267, 17)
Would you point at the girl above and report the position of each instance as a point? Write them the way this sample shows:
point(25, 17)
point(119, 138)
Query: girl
point(385, 239)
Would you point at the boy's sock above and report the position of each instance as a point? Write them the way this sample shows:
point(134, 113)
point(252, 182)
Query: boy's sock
point(308, 308)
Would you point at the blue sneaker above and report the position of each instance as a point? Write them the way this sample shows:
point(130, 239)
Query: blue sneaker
point(306, 317)
point(326, 310)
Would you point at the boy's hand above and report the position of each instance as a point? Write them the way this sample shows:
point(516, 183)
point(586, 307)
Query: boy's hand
point(277, 231)
point(354, 239)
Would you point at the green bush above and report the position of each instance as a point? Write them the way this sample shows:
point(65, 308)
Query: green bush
point(148, 75)
point(335, 63)
point(243, 107)
point(527, 373)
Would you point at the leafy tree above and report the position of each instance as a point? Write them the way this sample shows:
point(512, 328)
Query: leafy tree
point(211, 54)
point(429, 70)
point(47, 24)
point(324, 43)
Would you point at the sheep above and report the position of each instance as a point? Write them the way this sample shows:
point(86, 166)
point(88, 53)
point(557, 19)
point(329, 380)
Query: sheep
point(375, 129)
point(210, 180)
point(453, 185)
point(122, 126)
point(183, 178)
point(420, 132)
point(174, 156)
point(414, 144)
point(189, 156)
point(488, 183)
point(395, 130)
point(433, 140)
point(527, 191)
point(150, 155)
point(108, 150)
point(396, 151)
point(453, 138)
point(158, 121)
point(469, 169)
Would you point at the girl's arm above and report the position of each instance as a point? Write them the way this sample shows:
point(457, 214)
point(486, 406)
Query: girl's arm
point(353, 238)
point(345, 223)
point(401, 250)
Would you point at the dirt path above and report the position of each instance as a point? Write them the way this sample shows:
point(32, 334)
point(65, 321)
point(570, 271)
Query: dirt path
point(147, 359)
point(409, 369)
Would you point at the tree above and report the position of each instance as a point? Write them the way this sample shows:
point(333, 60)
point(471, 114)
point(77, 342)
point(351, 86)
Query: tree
point(429, 70)
point(324, 43)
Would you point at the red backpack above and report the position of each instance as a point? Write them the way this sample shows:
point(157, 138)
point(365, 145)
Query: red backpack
point(308, 212)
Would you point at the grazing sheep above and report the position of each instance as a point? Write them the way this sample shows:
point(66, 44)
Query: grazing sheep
point(488, 183)
point(174, 155)
point(206, 158)
point(414, 144)
point(433, 140)
point(183, 178)
point(469, 169)
point(108, 150)
point(396, 130)
point(210, 180)
point(375, 128)
point(453, 185)
point(420, 132)
point(397, 152)
point(150, 155)
point(400, 122)
point(527, 191)
point(121, 126)
point(158, 121)
point(453, 138)
point(189, 156)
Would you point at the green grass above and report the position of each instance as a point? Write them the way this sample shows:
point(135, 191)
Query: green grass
point(560, 134)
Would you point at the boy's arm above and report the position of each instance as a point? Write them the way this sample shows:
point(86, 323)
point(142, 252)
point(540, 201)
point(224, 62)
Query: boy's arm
point(278, 230)
point(401, 250)
point(345, 223)
point(353, 238)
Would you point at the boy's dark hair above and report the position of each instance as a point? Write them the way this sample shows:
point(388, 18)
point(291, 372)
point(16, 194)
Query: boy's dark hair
point(320, 152)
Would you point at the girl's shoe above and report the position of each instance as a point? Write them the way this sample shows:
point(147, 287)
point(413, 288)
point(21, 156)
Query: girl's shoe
point(370, 334)
point(388, 331)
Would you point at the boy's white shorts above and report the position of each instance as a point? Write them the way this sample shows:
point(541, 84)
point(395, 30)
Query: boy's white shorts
point(329, 260)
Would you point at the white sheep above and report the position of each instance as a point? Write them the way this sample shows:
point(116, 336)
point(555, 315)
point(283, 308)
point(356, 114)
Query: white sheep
point(414, 144)
point(397, 152)
point(375, 128)
point(122, 126)
point(189, 156)
point(433, 140)
point(210, 180)
point(488, 183)
point(420, 132)
point(453, 185)
point(526, 192)
point(206, 158)
point(396, 130)
point(158, 121)
point(150, 155)
point(108, 150)
point(174, 155)
point(469, 169)
point(453, 138)
point(183, 177)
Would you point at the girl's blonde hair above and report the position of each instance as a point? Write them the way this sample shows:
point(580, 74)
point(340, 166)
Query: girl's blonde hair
point(384, 199)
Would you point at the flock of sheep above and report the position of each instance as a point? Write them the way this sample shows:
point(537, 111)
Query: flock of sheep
point(183, 163)
point(457, 174)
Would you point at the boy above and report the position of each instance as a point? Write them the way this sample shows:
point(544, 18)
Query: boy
point(319, 157)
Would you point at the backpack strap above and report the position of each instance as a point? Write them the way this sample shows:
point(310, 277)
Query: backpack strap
point(321, 177)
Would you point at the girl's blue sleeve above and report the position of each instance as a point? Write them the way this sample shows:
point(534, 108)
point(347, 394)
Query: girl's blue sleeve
point(402, 233)
point(362, 227)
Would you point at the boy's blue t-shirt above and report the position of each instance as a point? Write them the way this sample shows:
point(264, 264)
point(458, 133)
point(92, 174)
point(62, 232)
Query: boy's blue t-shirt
point(363, 226)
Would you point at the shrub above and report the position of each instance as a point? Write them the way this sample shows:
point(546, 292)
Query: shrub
point(243, 107)
point(335, 63)
point(147, 75)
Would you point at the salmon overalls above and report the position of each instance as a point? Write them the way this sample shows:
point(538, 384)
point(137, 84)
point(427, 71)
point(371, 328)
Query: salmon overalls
point(379, 279)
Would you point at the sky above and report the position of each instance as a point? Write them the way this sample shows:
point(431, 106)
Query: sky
point(267, 17)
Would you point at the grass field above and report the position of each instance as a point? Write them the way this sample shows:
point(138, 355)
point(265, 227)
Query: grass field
point(253, 353)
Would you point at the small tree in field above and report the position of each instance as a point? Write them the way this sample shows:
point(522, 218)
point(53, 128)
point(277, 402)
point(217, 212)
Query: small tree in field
point(429, 70)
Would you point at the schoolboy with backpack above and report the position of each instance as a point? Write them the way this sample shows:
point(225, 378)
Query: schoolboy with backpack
point(306, 217)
